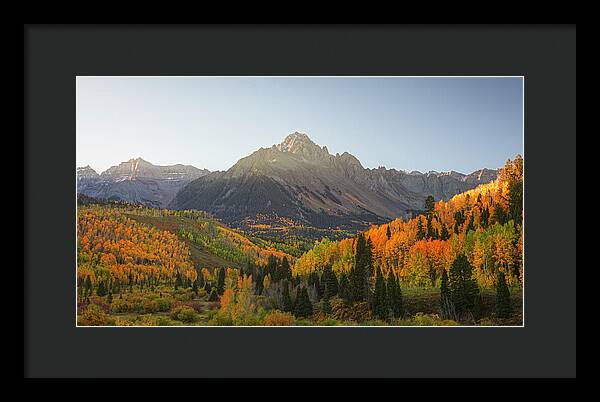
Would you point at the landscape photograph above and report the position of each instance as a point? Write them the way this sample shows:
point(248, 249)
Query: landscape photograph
point(281, 201)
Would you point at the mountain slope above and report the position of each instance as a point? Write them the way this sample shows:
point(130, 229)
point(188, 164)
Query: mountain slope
point(303, 181)
point(137, 181)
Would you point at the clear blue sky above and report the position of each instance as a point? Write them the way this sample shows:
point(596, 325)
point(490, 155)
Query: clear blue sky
point(414, 123)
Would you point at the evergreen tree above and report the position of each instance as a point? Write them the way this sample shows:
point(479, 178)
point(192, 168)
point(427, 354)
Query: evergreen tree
point(326, 302)
point(464, 292)
point(369, 267)
point(471, 224)
point(358, 272)
point(503, 309)
point(286, 270)
point(499, 215)
point(344, 286)
point(444, 235)
point(101, 291)
point(285, 296)
point(329, 280)
point(109, 298)
point(429, 205)
point(446, 307)
point(430, 233)
point(484, 217)
point(420, 231)
point(380, 304)
point(220, 281)
point(395, 296)
point(88, 285)
point(303, 307)
point(388, 232)
point(195, 287)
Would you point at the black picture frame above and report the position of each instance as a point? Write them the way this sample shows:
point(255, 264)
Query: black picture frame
point(55, 54)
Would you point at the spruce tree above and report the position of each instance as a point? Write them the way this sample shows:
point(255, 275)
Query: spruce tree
point(444, 235)
point(88, 285)
point(326, 303)
point(101, 291)
point(380, 304)
point(358, 272)
point(303, 306)
point(286, 270)
point(285, 296)
point(214, 295)
point(395, 296)
point(503, 309)
point(446, 306)
point(420, 231)
point(430, 233)
point(329, 280)
point(388, 232)
point(344, 286)
point(221, 281)
point(429, 204)
point(463, 289)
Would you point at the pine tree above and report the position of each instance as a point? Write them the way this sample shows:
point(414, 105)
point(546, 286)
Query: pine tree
point(286, 270)
point(88, 285)
point(429, 228)
point(285, 296)
point(388, 232)
point(326, 303)
point(303, 307)
point(444, 235)
point(380, 305)
point(329, 280)
point(101, 291)
point(358, 272)
point(221, 281)
point(395, 296)
point(420, 231)
point(344, 286)
point(463, 289)
point(429, 205)
point(503, 309)
point(446, 307)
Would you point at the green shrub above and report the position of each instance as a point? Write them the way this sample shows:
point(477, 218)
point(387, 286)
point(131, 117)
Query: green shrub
point(93, 315)
point(121, 306)
point(218, 319)
point(329, 322)
point(164, 303)
point(184, 314)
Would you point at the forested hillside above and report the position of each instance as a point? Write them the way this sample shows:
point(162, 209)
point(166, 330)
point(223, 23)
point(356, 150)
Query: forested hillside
point(460, 262)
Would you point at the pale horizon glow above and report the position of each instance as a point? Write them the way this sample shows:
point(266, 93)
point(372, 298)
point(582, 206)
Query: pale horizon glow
point(406, 123)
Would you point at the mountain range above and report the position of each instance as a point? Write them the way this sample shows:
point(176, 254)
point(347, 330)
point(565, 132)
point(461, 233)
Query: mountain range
point(302, 181)
point(137, 181)
point(296, 180)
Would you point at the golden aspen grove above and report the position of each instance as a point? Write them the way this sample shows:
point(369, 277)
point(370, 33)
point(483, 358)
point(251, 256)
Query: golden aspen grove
point(455, 262)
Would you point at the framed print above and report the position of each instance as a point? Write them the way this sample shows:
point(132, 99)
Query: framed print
point(240, 193)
